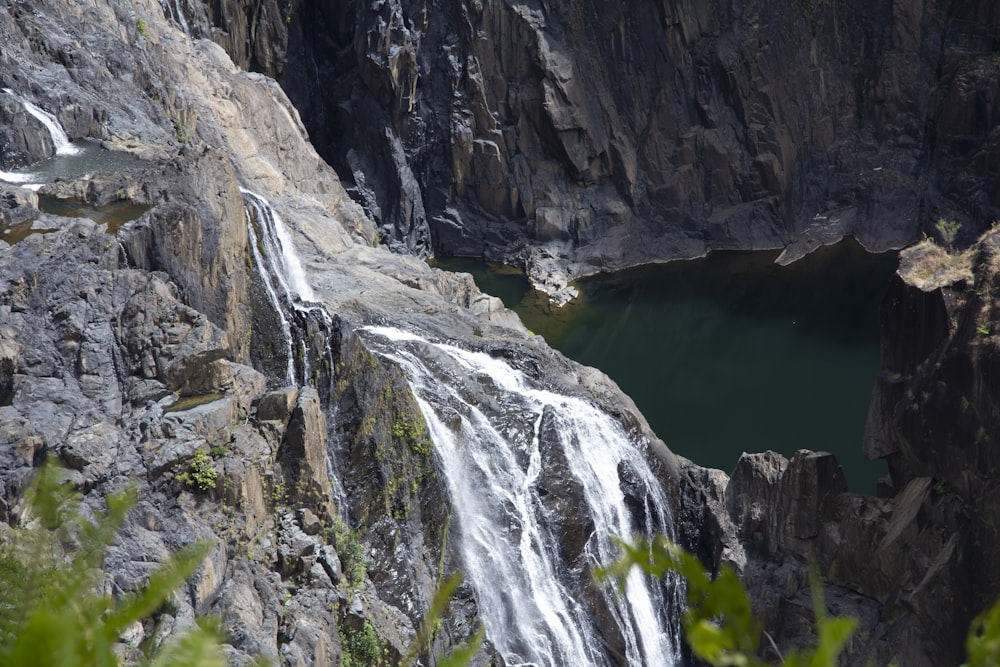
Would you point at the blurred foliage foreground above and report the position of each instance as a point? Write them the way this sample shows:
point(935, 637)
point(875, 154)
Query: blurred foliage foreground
point(54, 610)
point(721, 629)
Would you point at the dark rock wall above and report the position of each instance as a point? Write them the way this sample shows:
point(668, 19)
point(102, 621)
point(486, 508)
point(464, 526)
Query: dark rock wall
point(621, 133)
point(936, 404)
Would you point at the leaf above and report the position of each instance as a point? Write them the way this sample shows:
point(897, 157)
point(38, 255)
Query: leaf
point(198, 647)
point(982, 644)
point(162, 582)
point(427, 627)
point(462, 655)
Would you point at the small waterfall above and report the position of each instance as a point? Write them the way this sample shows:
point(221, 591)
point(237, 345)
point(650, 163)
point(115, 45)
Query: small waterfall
point(279, 307)
point(284, 281)
point(283, 263)
point(499, 440)
point(60, 139)
point(174, 9)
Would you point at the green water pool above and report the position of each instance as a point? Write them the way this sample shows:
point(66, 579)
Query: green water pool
point(729, 353)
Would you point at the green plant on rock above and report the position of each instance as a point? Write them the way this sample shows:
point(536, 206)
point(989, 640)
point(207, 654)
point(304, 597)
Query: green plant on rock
point(948, 229)
point(201, 474)
point(405, 429)
point(53, 609)
point(360, 647)
point(142, 27)
point(350, 551)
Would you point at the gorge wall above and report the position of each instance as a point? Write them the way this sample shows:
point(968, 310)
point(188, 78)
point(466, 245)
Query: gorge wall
point(582, 136)
point(570, 138)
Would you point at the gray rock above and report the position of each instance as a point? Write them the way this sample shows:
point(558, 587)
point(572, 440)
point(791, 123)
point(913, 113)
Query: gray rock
point(278, 405)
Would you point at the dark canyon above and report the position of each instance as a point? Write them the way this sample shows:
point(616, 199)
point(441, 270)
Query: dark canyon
point(214, 220)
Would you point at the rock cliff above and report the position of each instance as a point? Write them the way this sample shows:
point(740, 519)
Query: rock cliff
point(918, 562)
point(126, 345)
point(570, 138)
point(579, 136)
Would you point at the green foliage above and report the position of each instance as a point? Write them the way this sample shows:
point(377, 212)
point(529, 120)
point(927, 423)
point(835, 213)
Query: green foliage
point(410, 431)
point(459, 656)
point(200, 474)
point(180, 132)
point(142, 27)
point(405, 429)
point(948, 229)
point(351, 553)
point(983, 641)
point(360, 648)
point(53, 610)
point(718, 623)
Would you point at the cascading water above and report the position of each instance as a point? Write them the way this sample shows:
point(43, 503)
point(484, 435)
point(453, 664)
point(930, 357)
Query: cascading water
point(285, 283)
point(174, 9)
point(495, 449)
point(60, 140)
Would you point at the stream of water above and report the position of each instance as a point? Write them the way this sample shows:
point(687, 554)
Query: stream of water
point(732, 352)
point(496, 453)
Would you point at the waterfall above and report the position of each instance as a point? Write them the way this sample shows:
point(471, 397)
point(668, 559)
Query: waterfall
point(287, 290)
point(283, 263)
point(60, 139)
point(175, 10)
point(279, 308)
point(499, 440)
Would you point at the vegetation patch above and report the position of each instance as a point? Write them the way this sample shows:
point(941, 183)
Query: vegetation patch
point(350, 551)
point(55, 610)
point(201, 474)
point(360, 648)
point(929, 266)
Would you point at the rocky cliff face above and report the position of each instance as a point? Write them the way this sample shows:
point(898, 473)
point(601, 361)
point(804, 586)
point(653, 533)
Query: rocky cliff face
point(125, 356)
point(529, 132)
point(125, 347)
point(578, 137)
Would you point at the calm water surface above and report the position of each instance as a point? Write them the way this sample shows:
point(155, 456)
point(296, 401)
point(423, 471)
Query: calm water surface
point(729, 353)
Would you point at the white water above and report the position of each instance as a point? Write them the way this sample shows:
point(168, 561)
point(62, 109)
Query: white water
point(175, 10)
point(494, 460)
point(281, 255)
point(272, 295)
point(284, 280)
point(60, 139)
point(21, 179)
